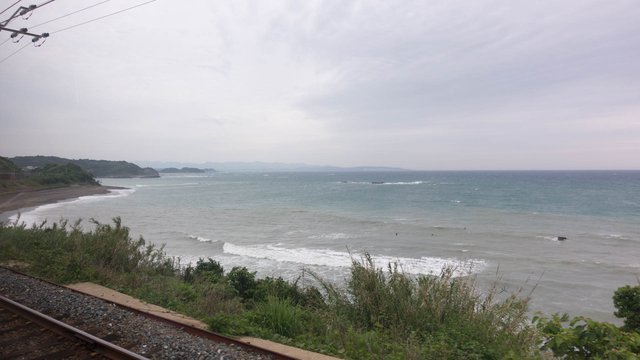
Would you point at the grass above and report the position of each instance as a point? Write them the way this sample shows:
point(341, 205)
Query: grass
point(378, 314)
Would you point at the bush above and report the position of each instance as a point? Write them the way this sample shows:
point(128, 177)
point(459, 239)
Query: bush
point(243, 281)
point(279, 316)
point(441, 310)
point(627, 302)
point(210, 270)
point(583, 338)
point(228, 324)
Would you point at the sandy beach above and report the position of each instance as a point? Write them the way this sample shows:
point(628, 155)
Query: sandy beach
point(31, 198)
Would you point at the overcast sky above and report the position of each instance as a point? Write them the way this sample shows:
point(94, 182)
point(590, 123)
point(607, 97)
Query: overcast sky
point(426, 85)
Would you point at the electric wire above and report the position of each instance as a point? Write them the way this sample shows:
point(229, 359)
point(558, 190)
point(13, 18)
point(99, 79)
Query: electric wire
point(102, 17)
point(4, 42)
point(45, 3)
point(15, 52)
point(71, 13)
point(14, 4)
point(76, 25)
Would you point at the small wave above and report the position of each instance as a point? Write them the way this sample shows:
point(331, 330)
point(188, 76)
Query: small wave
point(419, 266)
point(166, 185)
point(35, 216)
point(615, 236)
point(333, 236)
point(552, 238)
point(201, 239)
point(384, 182)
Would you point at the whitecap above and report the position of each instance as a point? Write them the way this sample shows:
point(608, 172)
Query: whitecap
point(201, 239)
point(333, 236)
point(323, 257)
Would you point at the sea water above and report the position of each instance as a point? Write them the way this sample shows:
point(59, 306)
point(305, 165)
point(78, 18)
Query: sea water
point(503, 227)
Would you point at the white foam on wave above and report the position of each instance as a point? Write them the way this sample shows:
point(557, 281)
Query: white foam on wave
point(323, 257)
point(35, 216)
point(200, 238)
point(166, 185)
point(614, 236)
point(549, 238)
point(333, 236)
point(385, 183)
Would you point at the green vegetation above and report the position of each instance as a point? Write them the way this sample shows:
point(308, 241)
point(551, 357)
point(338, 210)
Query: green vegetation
point(51, 175)
point(98, 168)
point(583, 338)
point(7, 166)
point(378, 314)
point(67, 174)
point(627, 302)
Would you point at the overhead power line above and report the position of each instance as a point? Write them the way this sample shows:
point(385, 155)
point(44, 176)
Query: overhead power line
point(13, 53)
point(71, 13)
point(102, 17)
point(36, 38)
point(14, 4)
point(22, 11)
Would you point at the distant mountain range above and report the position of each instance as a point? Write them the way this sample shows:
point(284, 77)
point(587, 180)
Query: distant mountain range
point(185, 170)
point(262, 167)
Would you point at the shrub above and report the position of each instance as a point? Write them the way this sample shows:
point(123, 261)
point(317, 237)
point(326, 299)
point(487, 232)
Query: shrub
point(228, 324)
point(243, 281)
point(583, 338)
point(210, 270)
point(627, 302)
point(442, 310)
point(279, 316)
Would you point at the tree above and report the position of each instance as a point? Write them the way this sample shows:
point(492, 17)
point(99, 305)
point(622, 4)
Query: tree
point(627, 302)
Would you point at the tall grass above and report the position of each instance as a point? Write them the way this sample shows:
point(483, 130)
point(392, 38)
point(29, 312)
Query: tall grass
point(430, 315)
point(64, 252)
point(378, 314)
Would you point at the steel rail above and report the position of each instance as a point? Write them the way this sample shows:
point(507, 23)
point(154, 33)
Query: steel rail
point(96, 344)
point(196, 331)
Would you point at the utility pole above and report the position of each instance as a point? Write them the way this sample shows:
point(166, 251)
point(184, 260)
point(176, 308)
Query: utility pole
point(22, 11)
point(23, 32)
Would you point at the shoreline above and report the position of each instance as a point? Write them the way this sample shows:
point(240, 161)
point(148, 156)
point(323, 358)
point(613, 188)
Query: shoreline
point(18, 200)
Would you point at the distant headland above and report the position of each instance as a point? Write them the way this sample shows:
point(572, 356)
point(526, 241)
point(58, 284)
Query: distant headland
point(258, 166)
point(97, 168)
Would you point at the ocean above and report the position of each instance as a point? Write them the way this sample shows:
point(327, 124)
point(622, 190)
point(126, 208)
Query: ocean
point(504, 227)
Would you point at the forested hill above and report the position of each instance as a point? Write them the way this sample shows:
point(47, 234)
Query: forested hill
point(98, 168)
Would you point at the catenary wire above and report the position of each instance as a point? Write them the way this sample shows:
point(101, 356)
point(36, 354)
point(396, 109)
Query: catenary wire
point(14, 4)
point(15, 52)
point(102, 17)
point(71, 13)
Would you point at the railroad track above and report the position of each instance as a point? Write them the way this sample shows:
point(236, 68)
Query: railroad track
point(43, 295)
point(29, 334)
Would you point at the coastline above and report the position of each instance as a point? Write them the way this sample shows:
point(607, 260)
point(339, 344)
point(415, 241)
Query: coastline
point(13, 201)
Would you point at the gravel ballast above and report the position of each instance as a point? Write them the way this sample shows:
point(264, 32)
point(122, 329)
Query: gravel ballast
point(147, 337)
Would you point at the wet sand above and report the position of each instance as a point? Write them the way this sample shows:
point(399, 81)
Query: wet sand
point(31, 198)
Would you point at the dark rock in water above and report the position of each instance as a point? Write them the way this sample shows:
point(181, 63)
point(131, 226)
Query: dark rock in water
point(561, 238)
point(377, 182)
